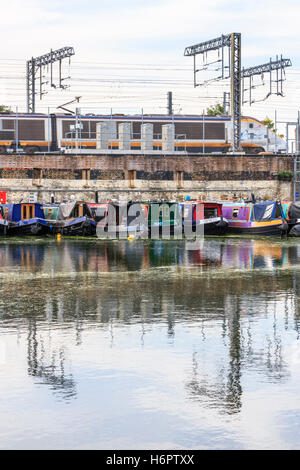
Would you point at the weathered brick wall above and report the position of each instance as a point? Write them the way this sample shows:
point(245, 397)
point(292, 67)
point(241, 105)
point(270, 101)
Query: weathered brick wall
point(224, 164)
point(143, 190)
point(145, 177)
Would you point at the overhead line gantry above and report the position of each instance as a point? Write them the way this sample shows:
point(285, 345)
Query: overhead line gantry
point(36, 64)
point(229, 46)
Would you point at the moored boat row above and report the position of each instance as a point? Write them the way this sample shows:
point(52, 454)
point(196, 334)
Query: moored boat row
point(155, 218)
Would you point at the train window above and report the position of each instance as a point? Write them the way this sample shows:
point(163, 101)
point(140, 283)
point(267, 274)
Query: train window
point(7, 135)
point(31, 129)
point(8, 124)
point(194, 130)
point(7, 129)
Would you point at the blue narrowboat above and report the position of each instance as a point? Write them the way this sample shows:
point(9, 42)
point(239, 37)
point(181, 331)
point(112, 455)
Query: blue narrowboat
point(26, 219)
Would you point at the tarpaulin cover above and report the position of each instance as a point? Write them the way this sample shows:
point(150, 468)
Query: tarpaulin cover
point(65, 210)
point(294, 210)
point(264, 211)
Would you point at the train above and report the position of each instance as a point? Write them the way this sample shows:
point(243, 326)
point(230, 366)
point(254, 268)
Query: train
point(35, 133)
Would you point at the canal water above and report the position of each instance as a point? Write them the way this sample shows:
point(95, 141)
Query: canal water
point(149, 345)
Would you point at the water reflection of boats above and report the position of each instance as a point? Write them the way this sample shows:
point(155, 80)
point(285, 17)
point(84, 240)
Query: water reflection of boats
point(104, 256)
point(250, 254)
point(223, 310)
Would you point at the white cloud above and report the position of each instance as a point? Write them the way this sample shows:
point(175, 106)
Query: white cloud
point(267, 26)
point(145, 32)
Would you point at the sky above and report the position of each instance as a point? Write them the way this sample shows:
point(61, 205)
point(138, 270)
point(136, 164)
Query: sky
point(129, 54)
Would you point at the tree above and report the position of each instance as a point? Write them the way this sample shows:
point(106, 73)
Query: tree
point(268, 123)
point(5, 109)
point(215, 110)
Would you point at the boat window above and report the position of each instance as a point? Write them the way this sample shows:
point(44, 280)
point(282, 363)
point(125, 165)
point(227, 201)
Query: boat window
point(75, 212)
point(251, 125)
point(27, 211)
point(50, 212)
point(210, 212)
point(235, 213)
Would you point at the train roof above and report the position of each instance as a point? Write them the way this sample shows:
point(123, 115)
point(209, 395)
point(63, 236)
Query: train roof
point(154, 117)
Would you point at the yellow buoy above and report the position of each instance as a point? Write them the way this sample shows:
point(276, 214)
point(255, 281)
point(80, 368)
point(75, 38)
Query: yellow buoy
point(58, 236)
point(130, 238)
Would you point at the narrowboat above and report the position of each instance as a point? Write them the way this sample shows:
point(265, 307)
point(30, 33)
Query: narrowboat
point(255, 218)
point(208, 214)
point(3, 222)
point(117, 219)
point(291, 211)
point(26, 219)
point(164, 218)
point(74, 219)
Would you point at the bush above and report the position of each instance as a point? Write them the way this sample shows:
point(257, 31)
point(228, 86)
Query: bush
point(285, 175)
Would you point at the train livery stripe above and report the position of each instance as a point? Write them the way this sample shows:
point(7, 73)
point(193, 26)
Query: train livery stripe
point(34, 143)
point(158, 144)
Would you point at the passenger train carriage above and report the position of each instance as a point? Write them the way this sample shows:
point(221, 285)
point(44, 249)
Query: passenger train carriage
point(42, 133)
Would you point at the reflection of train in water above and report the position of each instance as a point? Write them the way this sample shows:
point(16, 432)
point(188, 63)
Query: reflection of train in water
point(193, 134)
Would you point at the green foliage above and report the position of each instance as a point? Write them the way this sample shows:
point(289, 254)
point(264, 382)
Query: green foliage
point(268, 123)
point(5, 110)
point(215, 110)
point(285, 175)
